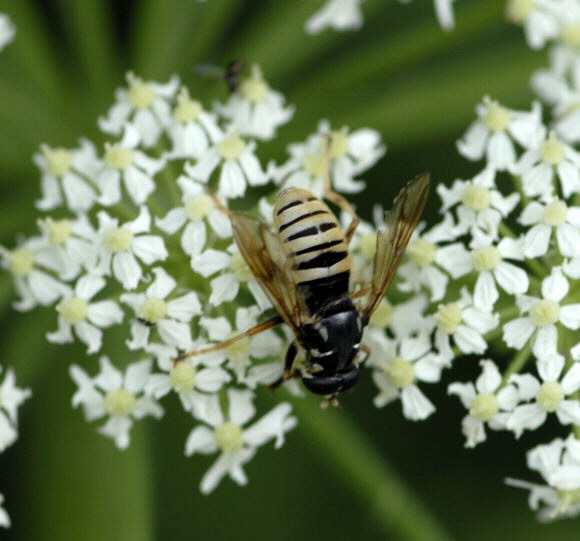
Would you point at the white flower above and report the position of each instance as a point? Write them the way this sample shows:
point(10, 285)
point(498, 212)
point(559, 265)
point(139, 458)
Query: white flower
point(402, 319)
point(463, 322)
point(7, 30)
point(121, 246)
point(123, 161)
point(494, 132)
point(424, 257)
point(192, 129)
point(485, 402)
point(559, 464)
point(444, 12)
point(116, 395)
point(75, 312)
point(11, 397)
point(544, 218)
point(4, 517)
point(233, 270)
point(549, 395)
point(255, 109)
point(239, 165)
point(538, 166)
point(66, 246)
point(187, 378)
point(480, 206)
point(240, 354)
point(145, 105)
point(170, 318)
point(538, 17)
point(337, 14)
point(543, 314)
point(350, 154)
point(398, 366)
point(33, 285)
point(487, 260)
point(197, 207)
point(226, 434)
point(71, 173)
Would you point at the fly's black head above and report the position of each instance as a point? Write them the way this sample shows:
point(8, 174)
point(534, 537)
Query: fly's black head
point(332, 385)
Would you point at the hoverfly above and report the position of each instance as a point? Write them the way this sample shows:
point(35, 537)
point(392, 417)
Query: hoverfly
point(304, 265)
point(230, 74)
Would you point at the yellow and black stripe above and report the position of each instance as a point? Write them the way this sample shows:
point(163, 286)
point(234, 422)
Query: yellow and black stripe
point(314, 244)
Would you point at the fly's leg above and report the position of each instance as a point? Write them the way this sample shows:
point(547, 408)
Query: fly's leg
point(261, 327)
point(289, 372)
point(336, 198)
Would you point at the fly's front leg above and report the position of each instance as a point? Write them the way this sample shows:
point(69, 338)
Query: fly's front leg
point(336, 198)
point(289, 372)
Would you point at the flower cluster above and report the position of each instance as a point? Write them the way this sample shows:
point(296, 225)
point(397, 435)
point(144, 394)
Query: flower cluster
point(139, 245)
point(347, 15)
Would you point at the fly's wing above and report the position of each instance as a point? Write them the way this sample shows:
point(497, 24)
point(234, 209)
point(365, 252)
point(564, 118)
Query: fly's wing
point(392, 241)
point(263, 252)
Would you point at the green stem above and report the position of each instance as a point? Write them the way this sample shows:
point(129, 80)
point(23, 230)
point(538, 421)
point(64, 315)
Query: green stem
point(346, 450)
point(518, 362)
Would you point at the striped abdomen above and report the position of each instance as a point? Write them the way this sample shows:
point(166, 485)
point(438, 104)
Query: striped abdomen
point(315, 245)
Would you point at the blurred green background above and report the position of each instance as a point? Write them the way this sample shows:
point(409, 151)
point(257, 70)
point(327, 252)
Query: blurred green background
point(402, 75)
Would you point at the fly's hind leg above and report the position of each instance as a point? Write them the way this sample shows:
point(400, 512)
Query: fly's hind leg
point(256, 329)
point(335, 197)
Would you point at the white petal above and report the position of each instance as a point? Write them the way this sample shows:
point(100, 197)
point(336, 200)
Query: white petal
point(517, 332)
point(416, 406)
point(568, 412)
point(185, 307)
point(149, 248)
point(570, 316)
point(485, 293)
point(162, 285)
point(469, 340)
point(550, 368)
point(90, 335)
point(546, 341)
point(104, 313)
point(200, 440)
point(537, 240)
point(136, 376)
point(126, 269)
point(175, 333)
point(241, 406)
point(568, 239)
point(571, 381)
point(489, 379)
point(526, 417)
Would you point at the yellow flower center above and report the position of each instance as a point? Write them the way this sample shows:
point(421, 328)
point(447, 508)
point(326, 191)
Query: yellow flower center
point(421, 252)
point(238, 352)
point(552, 150)
point(570, 35)
point(118, 157)
point(240, 268)
point(74, 310)
point(545, 312)
point(314, 165)
point(118, 239)
point(58, 231)
point(496, 118)
point(484, 406)
point(383, 315)
point(485, 258)
point(229, 437)
point(186, 110)
point(120, 402)
point(399, 372)
point(21, 261)
point(232, 147)
point(140, 95)
point(198, 207)
point(182, 377)
point(339, 143)
point(448, 317)
point(555, 213)
point(59, 160)
point(476, 198)
point(254, 88)
point(518, 10)
point(153, 310)
point(550, 395)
